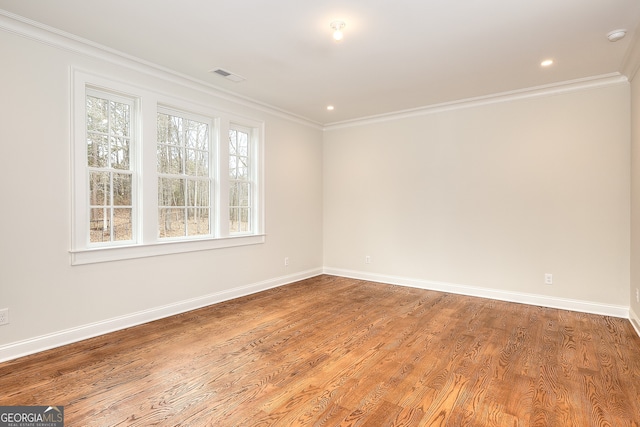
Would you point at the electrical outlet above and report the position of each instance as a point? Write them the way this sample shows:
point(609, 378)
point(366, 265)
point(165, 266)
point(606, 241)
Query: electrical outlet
point(286, 261)
point(4, 316)
point(367, 259)
point(548, 279)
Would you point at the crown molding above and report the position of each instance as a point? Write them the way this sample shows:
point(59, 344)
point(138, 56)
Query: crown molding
point(39, 32)
point(631, 62)
point(50, 36)
point(532, 92)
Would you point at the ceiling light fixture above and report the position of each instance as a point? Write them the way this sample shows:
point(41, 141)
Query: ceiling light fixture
point(337, 30)
point(616, 35)
point(546, 63)
point(330, 107)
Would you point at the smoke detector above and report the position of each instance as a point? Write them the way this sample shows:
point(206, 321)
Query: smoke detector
point(616, 35)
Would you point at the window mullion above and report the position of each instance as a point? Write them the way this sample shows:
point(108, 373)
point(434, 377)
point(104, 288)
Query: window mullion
point(148, 179)
point(222, 179)
point(257, 177)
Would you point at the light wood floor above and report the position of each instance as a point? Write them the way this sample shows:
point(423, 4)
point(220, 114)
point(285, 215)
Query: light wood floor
point(331, 351)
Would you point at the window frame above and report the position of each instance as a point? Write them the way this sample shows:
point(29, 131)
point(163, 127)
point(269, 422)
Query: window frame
point(146, 241)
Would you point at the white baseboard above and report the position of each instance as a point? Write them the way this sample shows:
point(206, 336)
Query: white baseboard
point(635, 321)
point(519, 297)
point(45, 342)
point(57, 339)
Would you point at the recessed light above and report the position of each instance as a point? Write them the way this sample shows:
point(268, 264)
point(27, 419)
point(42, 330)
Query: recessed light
point(330, 107)
point(546, 63)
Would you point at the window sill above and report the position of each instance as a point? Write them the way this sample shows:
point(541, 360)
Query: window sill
point(116, 253)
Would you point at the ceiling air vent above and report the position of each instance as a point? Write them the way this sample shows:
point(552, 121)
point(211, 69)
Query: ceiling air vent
point(227, 75)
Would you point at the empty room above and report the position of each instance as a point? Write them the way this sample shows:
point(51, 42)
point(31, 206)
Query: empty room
point(329, 213)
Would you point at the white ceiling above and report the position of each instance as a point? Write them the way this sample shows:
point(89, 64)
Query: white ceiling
point(396, 54)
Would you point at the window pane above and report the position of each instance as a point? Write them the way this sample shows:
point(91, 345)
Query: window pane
point(233, 220)
point(99, 188)
point(239, 211)
point(122, 190)
point(175, 130)
point(162, 158)
point(243, 144)
point(233, 142)
point(198, 223)
point(245, 219)
point(203, 137)
point(120, 119)
point(233, 194)
point(197, 193)
point(120, 153)
point(169, 129)
point(97, 114)
point(202, 161)
point(171, 222)
point(239, 194)
point(191, 133)
point(97, 150)
point(239, 220)
point(190, 162)
point(171, 192)
point(100, 225)
point(243, 169)
point(197, 163)
point(163, 128)
point(169, 159)
point(122, 227)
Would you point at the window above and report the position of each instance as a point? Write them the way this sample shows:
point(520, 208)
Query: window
point(240, 181)
point(184, 183)
point(109, 138)
point(177, 189)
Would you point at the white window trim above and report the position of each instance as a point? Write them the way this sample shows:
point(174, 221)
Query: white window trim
point(146, 242)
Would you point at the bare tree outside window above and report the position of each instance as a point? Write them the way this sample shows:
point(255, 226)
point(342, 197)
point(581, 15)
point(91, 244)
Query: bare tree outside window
point(184, 185)
point(108, 128)
point(240, 184)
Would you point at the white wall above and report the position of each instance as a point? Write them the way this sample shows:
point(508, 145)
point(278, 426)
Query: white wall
point(487, 199)
point(48, 297)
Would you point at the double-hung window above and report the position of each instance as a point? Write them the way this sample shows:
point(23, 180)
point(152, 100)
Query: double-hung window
point(109, 134)
point(153, 175)
point(184, 175)
point(241, 184)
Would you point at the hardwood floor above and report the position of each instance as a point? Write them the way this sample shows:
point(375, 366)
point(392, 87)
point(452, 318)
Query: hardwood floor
point(331, 351)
